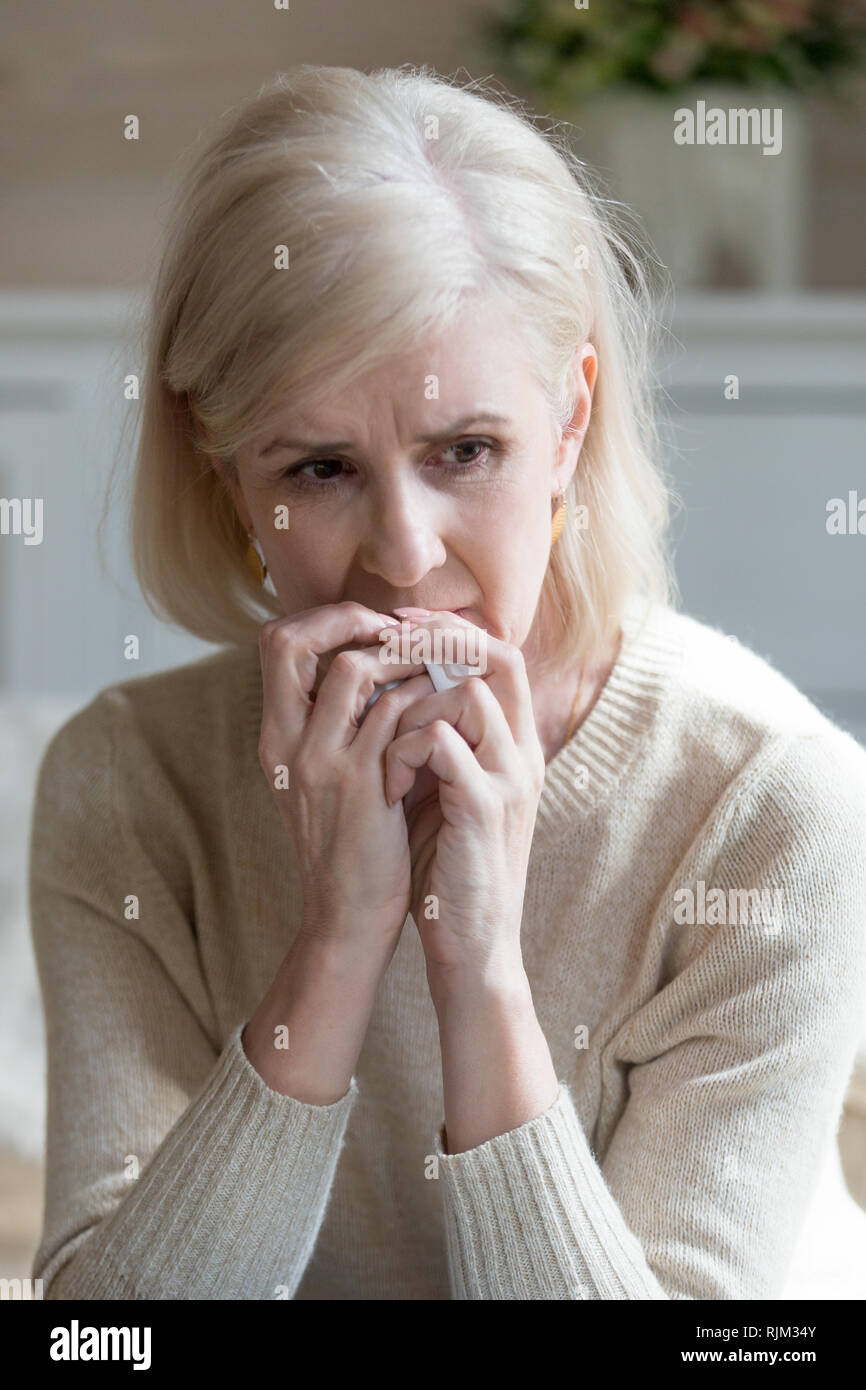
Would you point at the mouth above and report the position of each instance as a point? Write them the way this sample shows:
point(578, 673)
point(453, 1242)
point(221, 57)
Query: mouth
point(458, 612)
point(468, 614)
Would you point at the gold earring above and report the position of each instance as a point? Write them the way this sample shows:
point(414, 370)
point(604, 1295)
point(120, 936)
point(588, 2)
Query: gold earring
point(558, 520)
point(257, 564)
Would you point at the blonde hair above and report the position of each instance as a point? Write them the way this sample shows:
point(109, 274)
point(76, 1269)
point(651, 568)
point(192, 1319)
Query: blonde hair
point(400, 195)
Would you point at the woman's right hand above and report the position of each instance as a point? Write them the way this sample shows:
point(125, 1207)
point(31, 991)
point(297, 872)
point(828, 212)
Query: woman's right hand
point(352, 848)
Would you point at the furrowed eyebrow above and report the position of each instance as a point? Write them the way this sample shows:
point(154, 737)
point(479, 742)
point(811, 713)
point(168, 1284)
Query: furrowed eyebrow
point(333, 446)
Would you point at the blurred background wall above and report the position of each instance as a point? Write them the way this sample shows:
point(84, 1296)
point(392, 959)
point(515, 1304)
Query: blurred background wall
point(83, 205)
point(763, 368)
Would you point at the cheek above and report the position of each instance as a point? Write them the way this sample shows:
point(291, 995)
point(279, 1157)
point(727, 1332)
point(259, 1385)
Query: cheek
point(307, 571)
point(510, 571)
point(517, 516)
point(527, 549)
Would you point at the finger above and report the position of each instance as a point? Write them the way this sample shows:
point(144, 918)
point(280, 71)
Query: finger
point(381, 720)
point(442, 749)
point(474, 711)
point(504, 667)
point(353, 677)
point(395, 642)
point(289, 651)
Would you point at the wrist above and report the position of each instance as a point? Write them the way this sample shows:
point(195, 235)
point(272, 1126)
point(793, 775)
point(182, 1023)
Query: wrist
point(347, 950)
point(457, 989)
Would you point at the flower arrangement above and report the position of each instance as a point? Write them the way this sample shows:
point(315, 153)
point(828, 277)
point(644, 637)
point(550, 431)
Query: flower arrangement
point(571, 49)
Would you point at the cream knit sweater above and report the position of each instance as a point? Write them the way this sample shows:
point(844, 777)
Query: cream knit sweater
point(702, 1062)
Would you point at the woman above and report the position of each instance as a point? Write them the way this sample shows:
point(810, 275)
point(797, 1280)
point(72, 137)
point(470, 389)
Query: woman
point(397, 344)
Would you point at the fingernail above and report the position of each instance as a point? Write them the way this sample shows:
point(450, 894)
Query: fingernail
point(389, 622)
point(414, 612)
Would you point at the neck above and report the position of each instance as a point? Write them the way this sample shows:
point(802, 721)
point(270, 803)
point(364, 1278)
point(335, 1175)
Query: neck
point(553, 697)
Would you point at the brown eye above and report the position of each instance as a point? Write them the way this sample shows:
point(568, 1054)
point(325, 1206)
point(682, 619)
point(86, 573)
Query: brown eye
point(467, 464)
point(317, 479)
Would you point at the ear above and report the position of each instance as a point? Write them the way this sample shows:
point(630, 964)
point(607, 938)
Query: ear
point(589, 367)
point(584, 368)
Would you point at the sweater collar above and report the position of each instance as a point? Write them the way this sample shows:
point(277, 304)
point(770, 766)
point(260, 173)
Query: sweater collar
point(587, 769)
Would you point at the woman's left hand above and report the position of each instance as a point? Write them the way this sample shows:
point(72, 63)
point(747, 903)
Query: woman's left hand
point(476, 758)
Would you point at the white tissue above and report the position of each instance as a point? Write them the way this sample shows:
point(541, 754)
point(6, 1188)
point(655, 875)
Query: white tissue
point(443, 678)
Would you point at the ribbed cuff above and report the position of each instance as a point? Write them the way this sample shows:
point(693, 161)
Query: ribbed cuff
point(229, 1206)
point(528, 1216)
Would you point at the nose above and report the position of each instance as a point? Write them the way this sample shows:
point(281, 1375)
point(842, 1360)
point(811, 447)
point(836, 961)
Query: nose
point(401, 542)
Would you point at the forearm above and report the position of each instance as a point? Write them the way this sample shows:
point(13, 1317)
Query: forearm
point(320, 1004)
point(497, 1072)
point(228, 1205)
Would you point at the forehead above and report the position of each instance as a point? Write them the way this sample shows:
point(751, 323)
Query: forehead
point(479, 362)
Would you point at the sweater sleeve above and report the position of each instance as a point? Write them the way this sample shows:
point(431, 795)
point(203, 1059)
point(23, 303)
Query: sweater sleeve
point(737, 1062)
point(172, 1170)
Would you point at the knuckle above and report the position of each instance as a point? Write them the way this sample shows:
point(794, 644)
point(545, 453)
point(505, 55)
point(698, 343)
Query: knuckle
point(276, 637)
point(353, 609)
point(391, 701)
point(477, 691)
point(347, 662)
point(283, 635)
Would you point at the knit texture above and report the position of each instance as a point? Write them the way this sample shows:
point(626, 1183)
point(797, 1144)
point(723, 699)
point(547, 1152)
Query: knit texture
point(694, 935)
